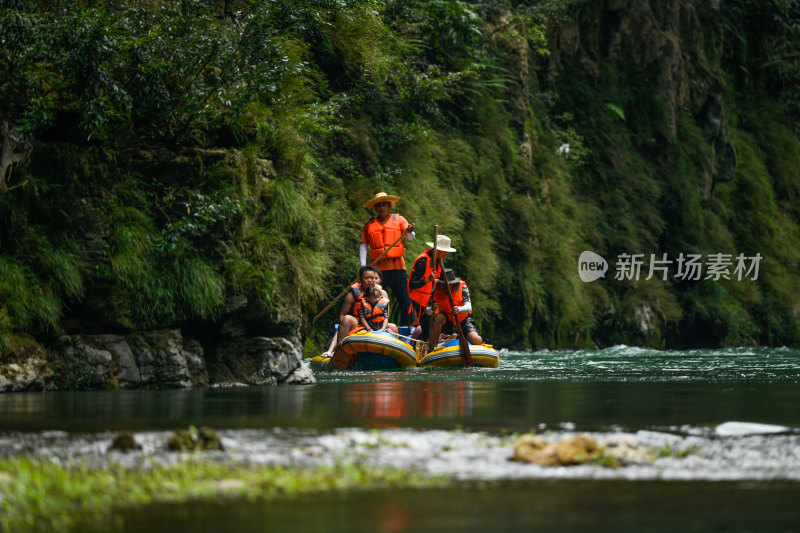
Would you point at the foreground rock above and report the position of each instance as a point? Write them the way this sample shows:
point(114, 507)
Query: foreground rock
point(124, 442)
point(534, 449)
point(24, 365)
point(260, 361)
point(579, 450)
point(193, 439)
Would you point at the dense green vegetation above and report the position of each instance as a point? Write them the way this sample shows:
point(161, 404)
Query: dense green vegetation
point(178, 153)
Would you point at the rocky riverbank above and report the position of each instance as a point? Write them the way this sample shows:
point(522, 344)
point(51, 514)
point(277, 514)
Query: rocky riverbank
point(149, 359)
point(729, 451)
point(45, 474)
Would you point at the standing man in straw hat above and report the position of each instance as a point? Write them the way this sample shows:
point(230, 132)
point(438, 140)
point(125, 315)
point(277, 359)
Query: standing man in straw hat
point(378, 234)
point(420, 284)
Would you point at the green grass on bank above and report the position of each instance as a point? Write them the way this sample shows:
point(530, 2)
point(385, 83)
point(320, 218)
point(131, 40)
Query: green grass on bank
point(44, 495)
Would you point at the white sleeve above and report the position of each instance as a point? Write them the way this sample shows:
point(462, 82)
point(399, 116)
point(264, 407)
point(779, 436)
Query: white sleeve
point(466, 307)
point(362, 254)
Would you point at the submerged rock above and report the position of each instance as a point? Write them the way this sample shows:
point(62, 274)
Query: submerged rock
point(124, 442)
point(577, 450)
point(625, 451)
point(193, 439)
point(733, 429)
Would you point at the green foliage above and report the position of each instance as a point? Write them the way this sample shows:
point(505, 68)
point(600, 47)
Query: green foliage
point(200, 287)
point(212, 154)
point(25, 302)
point(161, 276)
point(153, 70)
point(615, 110)
point(764, 39)
point(33, 290)
point(201, 215)
point(450, 28)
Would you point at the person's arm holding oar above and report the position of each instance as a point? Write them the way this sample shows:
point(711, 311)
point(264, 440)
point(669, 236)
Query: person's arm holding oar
point(463, 344)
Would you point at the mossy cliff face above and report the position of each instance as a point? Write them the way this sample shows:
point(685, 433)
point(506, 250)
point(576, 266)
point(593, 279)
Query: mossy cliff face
point(681, 162)
point(219, 193)
point(132, 280)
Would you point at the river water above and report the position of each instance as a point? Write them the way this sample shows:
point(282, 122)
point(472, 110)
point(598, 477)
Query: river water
point(725, 424)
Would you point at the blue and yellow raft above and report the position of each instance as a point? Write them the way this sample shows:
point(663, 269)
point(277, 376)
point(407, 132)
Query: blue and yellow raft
point(384, 351)
point(448, 354)
point(369, 350)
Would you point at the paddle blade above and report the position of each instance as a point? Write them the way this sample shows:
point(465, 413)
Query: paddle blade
point(466, 355)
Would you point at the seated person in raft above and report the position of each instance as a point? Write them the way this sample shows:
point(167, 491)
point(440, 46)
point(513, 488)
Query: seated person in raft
point(444, 321)
point(368, 276)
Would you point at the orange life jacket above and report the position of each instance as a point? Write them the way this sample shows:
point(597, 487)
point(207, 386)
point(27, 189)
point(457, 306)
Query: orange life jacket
point(374, 315)
point(355, 288)
point(381, 236)
point(441, 298)
point(423, 295)
point(358, 297)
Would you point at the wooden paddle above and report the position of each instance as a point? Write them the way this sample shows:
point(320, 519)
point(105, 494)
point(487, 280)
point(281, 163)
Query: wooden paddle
point(433, 283)
point(463, 344)
point(373, 263)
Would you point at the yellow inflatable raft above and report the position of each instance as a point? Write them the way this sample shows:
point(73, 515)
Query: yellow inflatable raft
point(448, 354)
point(369, 350)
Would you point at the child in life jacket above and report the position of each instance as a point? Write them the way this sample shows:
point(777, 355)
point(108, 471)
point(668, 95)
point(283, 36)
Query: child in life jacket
point(374, 312)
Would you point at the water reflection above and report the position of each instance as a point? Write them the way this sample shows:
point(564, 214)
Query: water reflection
point(617, 387)
point(149, 409)
point(564, 506)
point(373, 404)
point(387, 403)
point(390, 517)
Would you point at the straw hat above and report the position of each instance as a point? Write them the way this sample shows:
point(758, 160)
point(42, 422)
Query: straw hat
point(382, 197)
point(442, 244)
